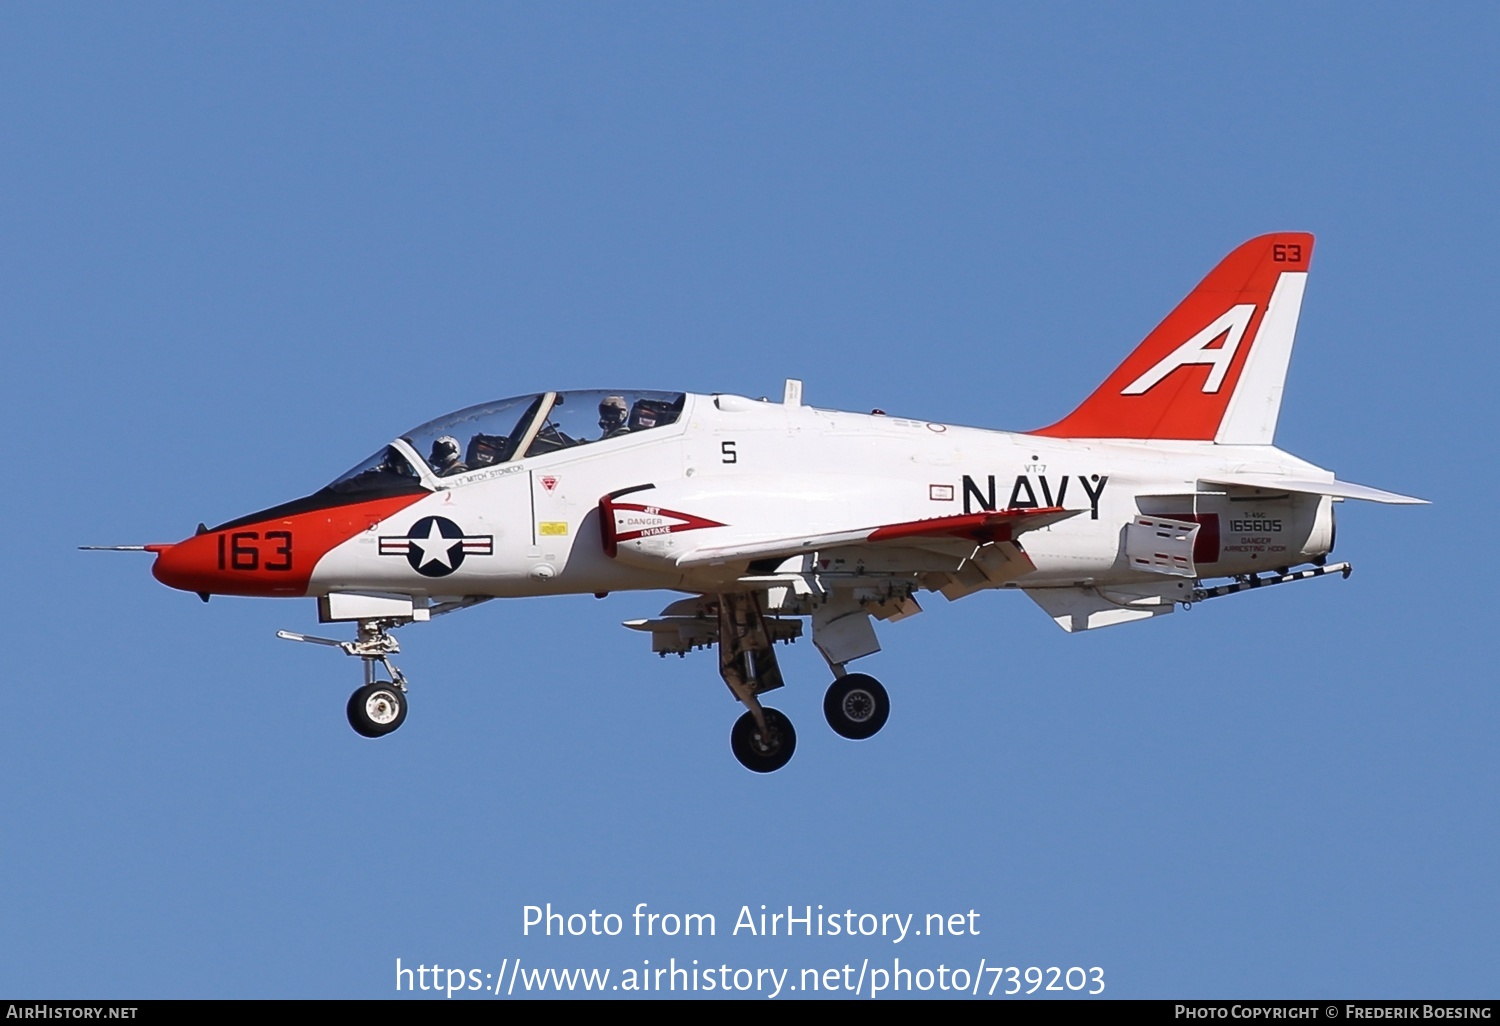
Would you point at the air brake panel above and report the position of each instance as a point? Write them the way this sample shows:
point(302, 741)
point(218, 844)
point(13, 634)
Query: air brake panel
point(1161, 546)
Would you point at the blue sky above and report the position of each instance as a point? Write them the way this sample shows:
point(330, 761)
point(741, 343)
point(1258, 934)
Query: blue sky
point(244, 245)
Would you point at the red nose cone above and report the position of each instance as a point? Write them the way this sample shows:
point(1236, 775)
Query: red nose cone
point(274, 556)
point(190, 565)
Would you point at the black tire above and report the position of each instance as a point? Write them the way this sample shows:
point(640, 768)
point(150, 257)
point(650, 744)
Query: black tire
point(377, 709)
point(856, 706)
point(752, 752)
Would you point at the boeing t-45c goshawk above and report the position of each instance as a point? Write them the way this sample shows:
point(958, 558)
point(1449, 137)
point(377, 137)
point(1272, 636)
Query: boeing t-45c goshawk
point(765, 514)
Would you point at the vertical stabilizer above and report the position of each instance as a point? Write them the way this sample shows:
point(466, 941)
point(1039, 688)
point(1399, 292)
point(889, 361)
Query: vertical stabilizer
point(1214, 369)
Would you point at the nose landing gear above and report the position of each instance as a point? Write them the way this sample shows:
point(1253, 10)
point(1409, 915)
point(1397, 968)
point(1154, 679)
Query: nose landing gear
point(378, 707)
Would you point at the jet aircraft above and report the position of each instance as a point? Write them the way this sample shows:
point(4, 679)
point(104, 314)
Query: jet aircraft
point(1162, 489)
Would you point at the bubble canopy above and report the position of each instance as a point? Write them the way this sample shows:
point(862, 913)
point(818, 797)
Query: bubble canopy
point(498, 432)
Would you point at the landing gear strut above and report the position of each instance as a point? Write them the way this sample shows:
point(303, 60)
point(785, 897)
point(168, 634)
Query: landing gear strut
point(378, 707)
point(856, 706)
point(762, 739)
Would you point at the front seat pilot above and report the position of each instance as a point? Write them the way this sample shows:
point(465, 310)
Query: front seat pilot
point(444, 458)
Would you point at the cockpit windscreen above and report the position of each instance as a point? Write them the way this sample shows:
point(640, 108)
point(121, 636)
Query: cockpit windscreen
point(507, 429)
point(480, 436)
point(593, 415)
point(386, 472)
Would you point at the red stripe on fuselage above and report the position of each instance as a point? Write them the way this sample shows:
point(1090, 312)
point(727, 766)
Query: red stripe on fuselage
point(272, 557)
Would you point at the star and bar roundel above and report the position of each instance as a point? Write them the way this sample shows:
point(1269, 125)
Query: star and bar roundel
point(436, 546)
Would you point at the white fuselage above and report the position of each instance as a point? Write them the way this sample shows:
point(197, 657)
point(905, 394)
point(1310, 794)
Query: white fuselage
point(758, 471)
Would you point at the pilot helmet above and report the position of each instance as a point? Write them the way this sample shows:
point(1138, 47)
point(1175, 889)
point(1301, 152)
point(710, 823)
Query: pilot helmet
point(612, 411)
point(444, 450)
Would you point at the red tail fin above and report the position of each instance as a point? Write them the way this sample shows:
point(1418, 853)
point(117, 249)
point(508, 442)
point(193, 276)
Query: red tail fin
point(1214, 368)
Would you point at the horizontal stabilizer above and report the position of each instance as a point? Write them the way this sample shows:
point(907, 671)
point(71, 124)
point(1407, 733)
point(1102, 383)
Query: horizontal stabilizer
point(1335, 489)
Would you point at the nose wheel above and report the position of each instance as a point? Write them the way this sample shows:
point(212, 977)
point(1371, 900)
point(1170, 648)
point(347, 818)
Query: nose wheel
point(380, 706)
point(856, 706)
point(377, 709)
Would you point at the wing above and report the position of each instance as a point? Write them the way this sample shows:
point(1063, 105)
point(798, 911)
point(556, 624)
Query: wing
point(840, 578)
point(978, 528)
point(955, 555)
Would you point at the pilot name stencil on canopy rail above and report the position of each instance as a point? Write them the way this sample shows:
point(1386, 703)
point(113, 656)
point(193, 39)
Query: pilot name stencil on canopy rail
point(1163, 488)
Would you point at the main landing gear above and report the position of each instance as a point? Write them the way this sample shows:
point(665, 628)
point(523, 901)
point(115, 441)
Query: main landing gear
point(763, 740)
point(856, 706)
point(763, 748)
point(378, 707)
